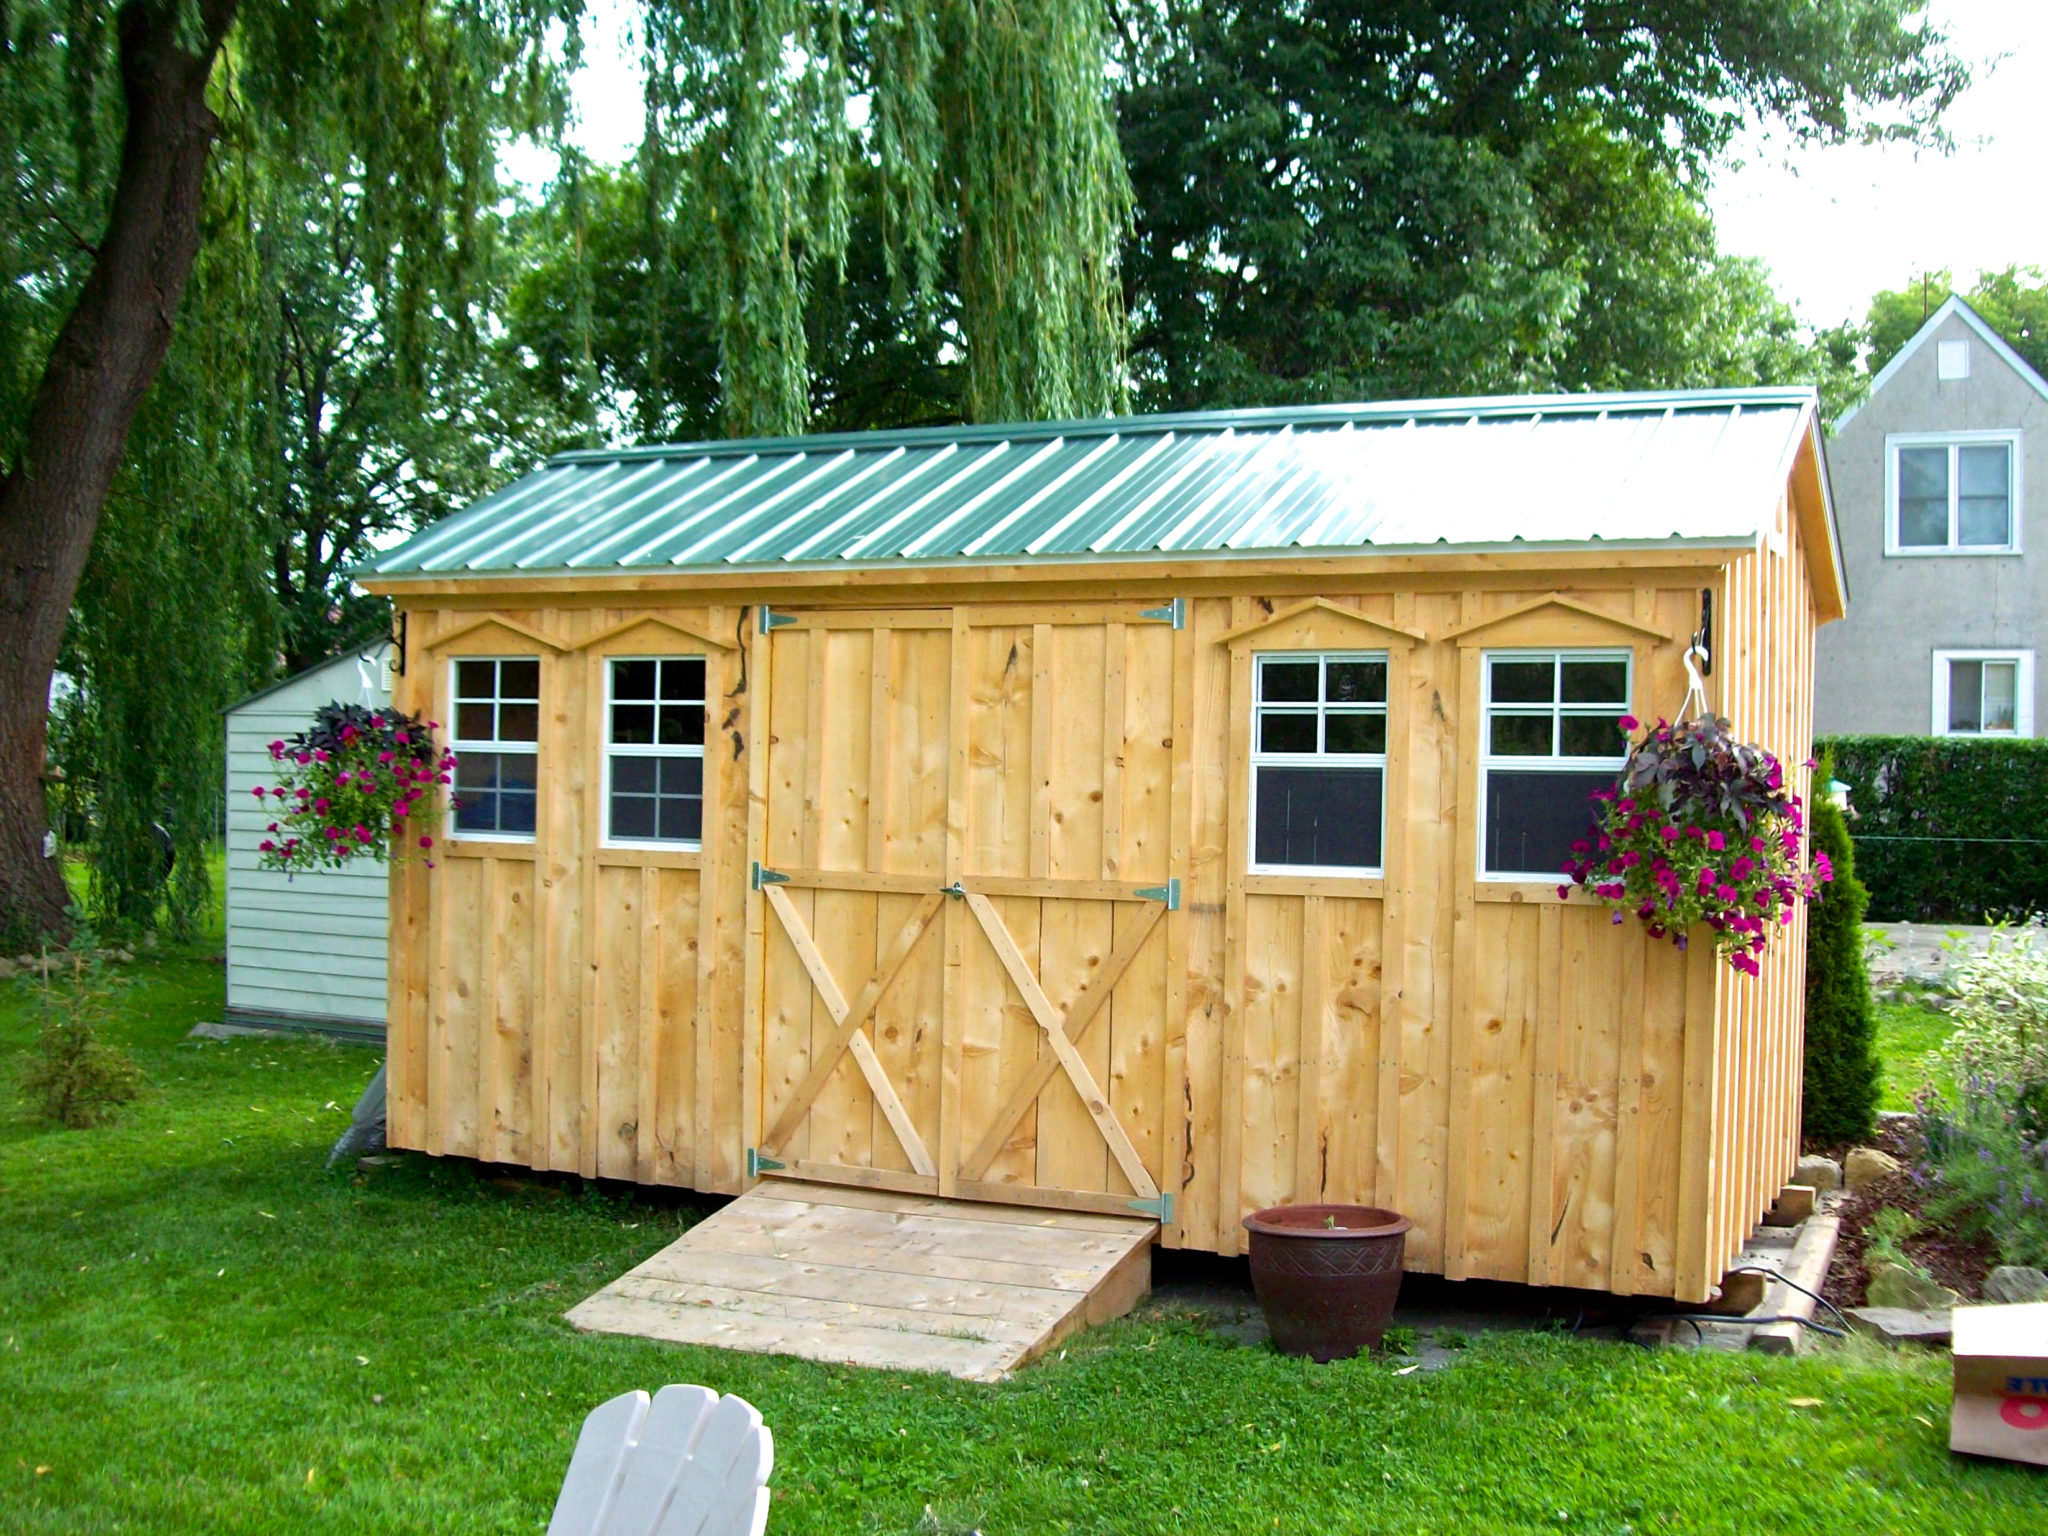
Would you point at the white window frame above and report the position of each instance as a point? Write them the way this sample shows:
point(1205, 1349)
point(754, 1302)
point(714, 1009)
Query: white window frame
point(1488, 762)
point(613, 750)
point(1315, 759)
point(458, 743)
point(2023, 694)
point(1894, 441)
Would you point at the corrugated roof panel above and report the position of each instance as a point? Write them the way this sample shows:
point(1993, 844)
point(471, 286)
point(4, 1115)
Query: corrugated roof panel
point(1638, 468)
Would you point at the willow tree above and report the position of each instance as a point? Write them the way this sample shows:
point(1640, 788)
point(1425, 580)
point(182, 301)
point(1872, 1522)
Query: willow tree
point(993, 126)
point(109, 118)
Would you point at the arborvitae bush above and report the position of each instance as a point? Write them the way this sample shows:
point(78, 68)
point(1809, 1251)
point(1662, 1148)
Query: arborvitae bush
point(1841, 1036)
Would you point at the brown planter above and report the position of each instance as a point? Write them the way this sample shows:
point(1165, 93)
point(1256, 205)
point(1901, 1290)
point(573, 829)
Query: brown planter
point(1327, 1275)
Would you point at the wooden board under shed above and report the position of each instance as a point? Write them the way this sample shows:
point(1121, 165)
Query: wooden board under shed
point(869, 1277)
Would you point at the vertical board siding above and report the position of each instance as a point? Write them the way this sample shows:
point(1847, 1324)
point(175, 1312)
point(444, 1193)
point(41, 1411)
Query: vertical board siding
point(1550, 1097)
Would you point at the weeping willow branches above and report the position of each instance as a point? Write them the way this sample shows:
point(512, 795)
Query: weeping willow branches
point(993, 126)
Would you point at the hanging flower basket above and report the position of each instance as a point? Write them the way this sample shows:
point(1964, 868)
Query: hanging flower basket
point(360, 784)
point(1699, 828)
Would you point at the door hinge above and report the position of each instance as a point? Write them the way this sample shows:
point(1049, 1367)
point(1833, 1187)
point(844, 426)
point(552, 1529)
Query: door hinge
point(758, 1165)
point(761, 876)
point(1174, 613)
point(1168, 893)
point(770, 619)
point(1161, 1209)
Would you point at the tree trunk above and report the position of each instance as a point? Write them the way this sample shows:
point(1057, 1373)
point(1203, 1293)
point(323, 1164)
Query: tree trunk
point(99, 369)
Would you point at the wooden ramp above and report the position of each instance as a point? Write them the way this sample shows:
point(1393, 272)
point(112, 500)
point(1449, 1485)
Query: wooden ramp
point(868, 1277)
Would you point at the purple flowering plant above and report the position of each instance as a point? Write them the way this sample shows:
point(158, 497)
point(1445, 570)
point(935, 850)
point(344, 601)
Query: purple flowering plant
point(358, 784)
point(1699, 828)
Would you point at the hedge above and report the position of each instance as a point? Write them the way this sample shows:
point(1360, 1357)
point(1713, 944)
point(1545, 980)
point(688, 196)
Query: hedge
point(1948, 830)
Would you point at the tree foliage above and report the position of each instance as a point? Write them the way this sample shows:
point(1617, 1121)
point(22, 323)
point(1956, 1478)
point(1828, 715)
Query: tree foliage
point(1339, 199)
point(992, 139)
point(2013, 302)
point(222, 141)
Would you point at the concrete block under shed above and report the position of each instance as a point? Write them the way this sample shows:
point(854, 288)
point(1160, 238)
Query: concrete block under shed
point(2001, 1383)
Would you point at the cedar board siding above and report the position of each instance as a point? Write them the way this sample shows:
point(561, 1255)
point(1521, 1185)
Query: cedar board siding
point(1553, 1099)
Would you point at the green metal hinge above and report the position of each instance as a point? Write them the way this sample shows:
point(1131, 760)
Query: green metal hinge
point(1160, 1209)
point(1174, 613)
point(758, 1165)
point(1168, 893)
point(761, 877)
point(770, 619)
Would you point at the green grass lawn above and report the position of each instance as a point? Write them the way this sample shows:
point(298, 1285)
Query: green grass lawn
point(1906, 1033)
point(202, 1331)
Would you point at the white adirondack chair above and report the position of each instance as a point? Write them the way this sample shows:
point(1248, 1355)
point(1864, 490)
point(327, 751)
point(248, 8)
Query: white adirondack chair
point(690, 1463)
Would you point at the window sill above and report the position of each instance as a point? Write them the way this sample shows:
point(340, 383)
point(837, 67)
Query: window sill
point(1944, 552)
point(648, 856)
point(458, 846)
point(1358, 887)
point(1519, 890)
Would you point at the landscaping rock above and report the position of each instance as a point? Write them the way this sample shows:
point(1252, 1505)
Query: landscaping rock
point(1865, 1166)
point(7, 968)
point(1894, 1285)
point(1818, 1173)
point(2015, 1284)
point(1897, 1325)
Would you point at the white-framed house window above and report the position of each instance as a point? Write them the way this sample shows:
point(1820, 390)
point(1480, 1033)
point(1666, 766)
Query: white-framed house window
point(654, 751)
point(1984, 693)
point(1552, 737)
point(1319, 762)
point(1952, 493)
point(496, 745)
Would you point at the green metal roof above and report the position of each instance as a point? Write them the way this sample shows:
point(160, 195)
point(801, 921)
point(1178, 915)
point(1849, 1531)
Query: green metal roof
point(1703, 466)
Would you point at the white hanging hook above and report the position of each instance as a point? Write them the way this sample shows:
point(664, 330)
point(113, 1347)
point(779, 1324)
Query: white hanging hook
point(1696, 660)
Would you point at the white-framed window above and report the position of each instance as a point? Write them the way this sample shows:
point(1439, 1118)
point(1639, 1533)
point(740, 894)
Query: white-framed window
point(1552, 736)
point(1952, 493)
point(1984, 693)
point(1319, 762)
point(654, 751)
point(496, 745)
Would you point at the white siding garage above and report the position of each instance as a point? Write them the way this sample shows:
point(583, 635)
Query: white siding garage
point(308, 949)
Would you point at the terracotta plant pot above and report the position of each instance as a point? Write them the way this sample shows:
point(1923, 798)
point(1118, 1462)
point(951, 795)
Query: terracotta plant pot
point(1327, 1275)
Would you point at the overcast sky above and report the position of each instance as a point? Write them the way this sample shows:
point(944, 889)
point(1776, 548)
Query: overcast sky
point(1834, 225)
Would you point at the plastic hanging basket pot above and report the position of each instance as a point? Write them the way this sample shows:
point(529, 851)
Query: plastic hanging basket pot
point(1327, 1276)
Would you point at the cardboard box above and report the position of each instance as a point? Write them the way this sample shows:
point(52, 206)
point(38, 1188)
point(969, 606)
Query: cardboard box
point(2001, 1397)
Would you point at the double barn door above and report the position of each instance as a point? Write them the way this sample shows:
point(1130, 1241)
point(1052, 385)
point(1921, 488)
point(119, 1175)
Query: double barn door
point(966, 877)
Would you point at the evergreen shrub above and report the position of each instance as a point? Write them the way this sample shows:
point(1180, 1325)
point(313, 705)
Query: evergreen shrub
point(1841, 1067)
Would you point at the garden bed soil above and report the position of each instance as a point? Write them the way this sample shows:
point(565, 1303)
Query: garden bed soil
point(1958, 1262)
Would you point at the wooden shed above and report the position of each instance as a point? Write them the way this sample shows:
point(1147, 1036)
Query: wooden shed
point(1157, 814)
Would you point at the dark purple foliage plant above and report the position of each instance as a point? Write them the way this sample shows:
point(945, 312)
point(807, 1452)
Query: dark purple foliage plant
point(359, 784)
point(1699, 828)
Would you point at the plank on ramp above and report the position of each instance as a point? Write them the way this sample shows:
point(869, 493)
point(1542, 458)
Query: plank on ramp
point(867, 1277)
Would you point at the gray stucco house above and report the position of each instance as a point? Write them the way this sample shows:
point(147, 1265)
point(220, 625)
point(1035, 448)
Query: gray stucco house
point(1935, 477)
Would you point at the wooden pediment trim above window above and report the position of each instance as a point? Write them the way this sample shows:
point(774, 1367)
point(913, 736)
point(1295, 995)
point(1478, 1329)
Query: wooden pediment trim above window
point(1555, 620)
point(487, 627)
point(1317, 625)
point(655, 625)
